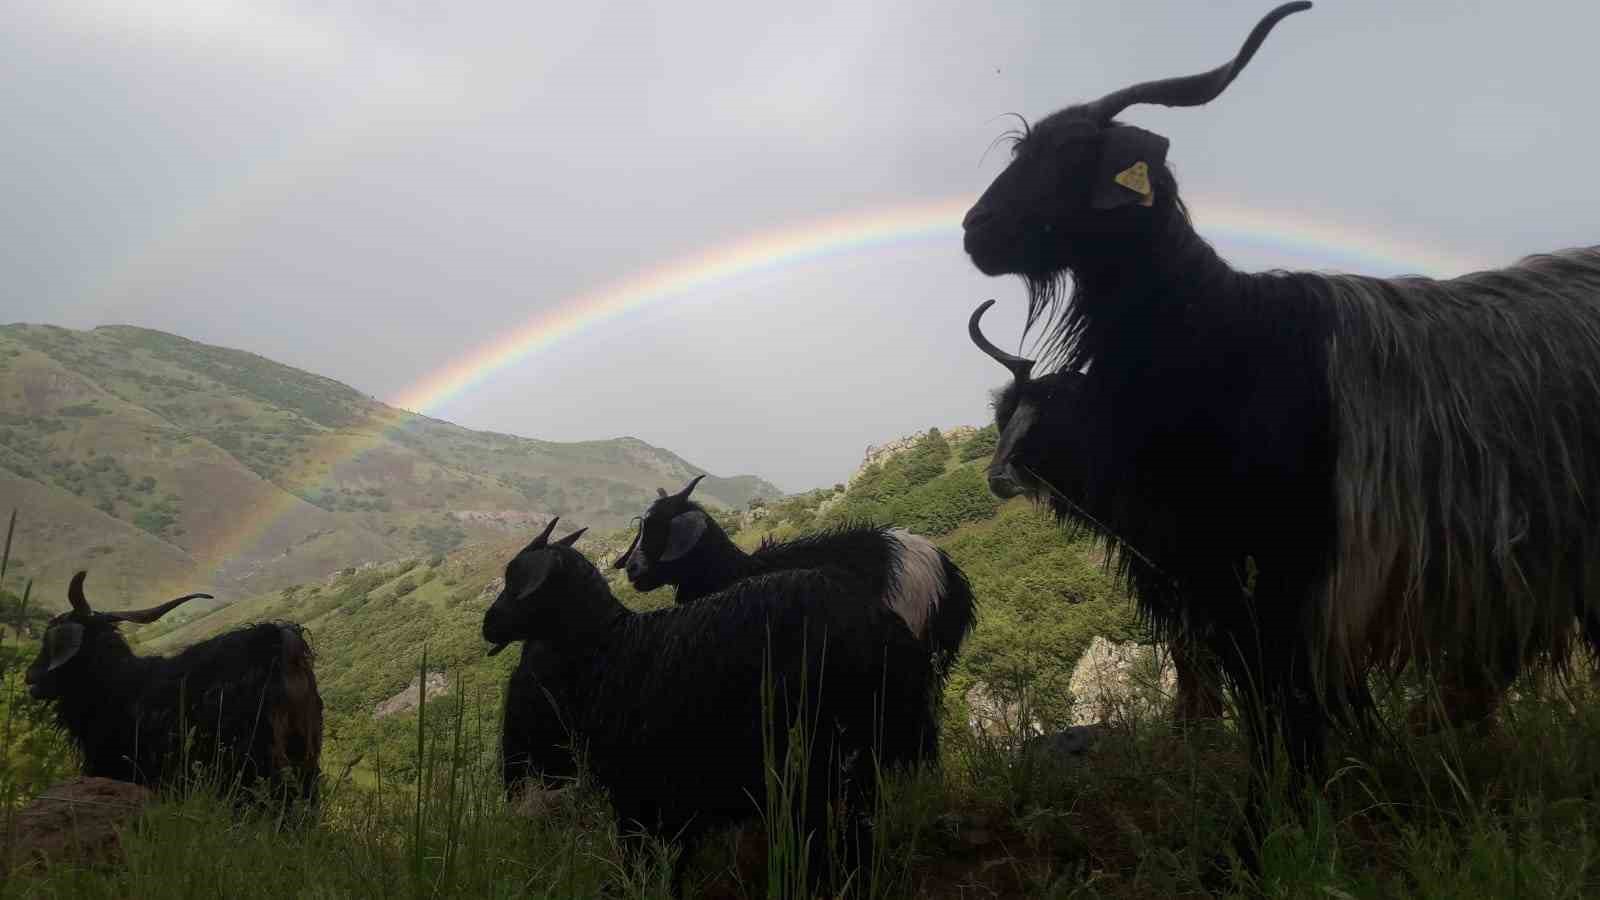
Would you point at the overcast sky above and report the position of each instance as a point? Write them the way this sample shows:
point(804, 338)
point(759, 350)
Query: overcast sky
point(370, 190)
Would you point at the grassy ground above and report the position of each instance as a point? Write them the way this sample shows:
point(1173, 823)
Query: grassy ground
point(1509, 813)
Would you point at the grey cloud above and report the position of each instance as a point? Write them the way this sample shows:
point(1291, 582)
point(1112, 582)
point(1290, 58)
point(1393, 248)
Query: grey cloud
point(372, 190)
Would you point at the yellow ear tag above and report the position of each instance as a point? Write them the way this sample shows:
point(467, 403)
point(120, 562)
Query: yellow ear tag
point(1136, 178)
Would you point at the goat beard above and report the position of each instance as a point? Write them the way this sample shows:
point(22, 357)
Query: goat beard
point(1049, 302)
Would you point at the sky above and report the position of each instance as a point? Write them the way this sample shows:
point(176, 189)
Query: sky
point(376, 191)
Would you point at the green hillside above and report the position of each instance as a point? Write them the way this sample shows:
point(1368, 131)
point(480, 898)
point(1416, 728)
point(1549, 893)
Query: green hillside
point(163, 465)
point(414, 807)
point(1042, 599)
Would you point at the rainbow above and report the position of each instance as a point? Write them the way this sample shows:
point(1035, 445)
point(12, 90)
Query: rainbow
point(775, 249)
point(936, 222)
point(1225, 224)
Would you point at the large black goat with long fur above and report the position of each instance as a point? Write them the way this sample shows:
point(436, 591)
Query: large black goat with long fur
point(1334, 472)
point(678, 543)
point(244, 702)
point(669, 704)
point(1041, 451)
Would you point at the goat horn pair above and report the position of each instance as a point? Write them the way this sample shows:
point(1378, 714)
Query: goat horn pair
point(1191, 90)
point(80, 604)
point(544, 536)
point(1020, 366)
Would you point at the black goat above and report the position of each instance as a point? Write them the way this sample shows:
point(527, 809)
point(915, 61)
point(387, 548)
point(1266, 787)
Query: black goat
point(1341, 472)
point(669, 704)
point(249, 698)
point(534, 741)
point(679, 544)
point(1054, 475)
point(1041, 452)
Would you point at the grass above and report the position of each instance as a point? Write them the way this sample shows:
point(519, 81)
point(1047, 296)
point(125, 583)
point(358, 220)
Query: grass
point(1511, 813)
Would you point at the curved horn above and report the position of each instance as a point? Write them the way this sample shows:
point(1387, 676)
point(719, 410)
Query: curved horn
point(688, 488)
point(80, 603)
point(146, 616)
point(1020, 366)
point(1191, 90)
point(572, 538)
point(661, 492)
point(621, 562)
point(544, 536)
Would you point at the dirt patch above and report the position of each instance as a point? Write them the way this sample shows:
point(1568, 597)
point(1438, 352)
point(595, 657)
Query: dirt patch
point(77, 822)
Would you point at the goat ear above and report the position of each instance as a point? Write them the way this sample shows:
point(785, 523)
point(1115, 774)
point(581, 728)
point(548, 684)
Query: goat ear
point(61, 644)
point(572, 538)
point(1128, 158)
point(538, 570)
point(683, 532)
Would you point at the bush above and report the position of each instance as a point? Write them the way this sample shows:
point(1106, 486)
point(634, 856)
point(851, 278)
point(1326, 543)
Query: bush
point(981, 444)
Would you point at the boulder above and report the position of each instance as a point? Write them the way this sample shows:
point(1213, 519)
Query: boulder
point(1121, 681)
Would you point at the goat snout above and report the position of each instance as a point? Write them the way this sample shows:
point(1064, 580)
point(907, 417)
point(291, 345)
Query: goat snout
point(976, 218)
point(1003, 484)
point(493, 628)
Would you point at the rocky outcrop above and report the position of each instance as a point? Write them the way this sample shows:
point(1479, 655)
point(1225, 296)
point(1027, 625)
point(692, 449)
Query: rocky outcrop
point(408, 699)
point(1123, 681)
point(882, 452)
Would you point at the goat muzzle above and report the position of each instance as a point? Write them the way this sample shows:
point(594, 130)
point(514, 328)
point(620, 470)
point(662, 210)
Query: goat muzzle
point(1003, 484)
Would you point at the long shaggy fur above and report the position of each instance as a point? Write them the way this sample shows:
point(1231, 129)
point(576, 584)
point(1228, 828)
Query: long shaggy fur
point(249, 697)
point(1378, 471)
point(668, 704)
point(1469, 466)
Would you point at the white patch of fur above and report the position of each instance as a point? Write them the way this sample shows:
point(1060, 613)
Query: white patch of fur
point(918, 581)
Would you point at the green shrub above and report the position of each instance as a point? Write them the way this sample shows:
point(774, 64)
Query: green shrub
point(981, 444)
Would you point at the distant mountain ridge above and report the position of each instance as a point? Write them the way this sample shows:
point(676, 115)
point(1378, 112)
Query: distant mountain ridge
point(161, 463)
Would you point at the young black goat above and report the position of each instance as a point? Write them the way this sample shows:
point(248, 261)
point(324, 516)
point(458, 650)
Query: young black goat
point(1342, 472)
point(1054, 475)
point(679, 544)
point(669, 705)
point(249, 697)
point(534, 741)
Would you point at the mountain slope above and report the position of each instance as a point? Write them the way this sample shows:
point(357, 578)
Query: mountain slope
point(164, 464)
point(1041, 599)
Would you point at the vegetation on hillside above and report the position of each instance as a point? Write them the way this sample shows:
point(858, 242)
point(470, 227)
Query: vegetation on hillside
point(173, 465)
point(415, 808)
